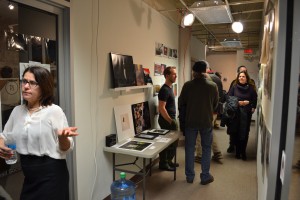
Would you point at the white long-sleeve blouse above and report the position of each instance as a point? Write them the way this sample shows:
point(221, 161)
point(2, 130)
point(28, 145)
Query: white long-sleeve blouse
point(36, 134)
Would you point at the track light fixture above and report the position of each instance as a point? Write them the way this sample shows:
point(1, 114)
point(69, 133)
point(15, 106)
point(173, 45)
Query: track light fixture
point(237, 27)
point(11, 6)
point(188, 19)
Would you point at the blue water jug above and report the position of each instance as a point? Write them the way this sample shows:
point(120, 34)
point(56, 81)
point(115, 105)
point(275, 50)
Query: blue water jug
point(122, 189)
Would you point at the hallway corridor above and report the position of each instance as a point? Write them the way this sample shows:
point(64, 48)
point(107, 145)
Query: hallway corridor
point(234, 179)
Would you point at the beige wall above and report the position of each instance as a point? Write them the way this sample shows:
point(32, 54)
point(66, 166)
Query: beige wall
point(226, 64)
point(98, 27)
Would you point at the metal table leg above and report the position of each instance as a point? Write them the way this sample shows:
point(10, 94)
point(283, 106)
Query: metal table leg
point(114, 166)
point(144, 178)
point(175, 161)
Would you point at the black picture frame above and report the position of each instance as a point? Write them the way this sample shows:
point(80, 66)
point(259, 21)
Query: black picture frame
point(146, 136)
point(159, 131)
point(123, 70)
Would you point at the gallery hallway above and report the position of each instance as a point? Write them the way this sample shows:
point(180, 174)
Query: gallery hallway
point(234, 179)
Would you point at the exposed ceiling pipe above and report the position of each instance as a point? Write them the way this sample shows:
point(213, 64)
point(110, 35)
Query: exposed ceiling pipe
point(183, 3)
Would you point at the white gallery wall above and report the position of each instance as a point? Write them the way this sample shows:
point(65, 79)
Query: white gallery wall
point(127, 27)
point(225, 63)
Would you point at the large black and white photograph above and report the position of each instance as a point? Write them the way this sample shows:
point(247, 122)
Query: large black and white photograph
point(123, 70)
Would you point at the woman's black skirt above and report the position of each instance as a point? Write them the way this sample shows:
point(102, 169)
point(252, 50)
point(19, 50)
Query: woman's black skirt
point(45, 178)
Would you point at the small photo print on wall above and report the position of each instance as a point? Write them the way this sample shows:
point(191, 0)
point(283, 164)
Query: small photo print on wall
point(166, 51)
point(157, 69)
point(170, 53)
point(159, 49)
point(174, 54)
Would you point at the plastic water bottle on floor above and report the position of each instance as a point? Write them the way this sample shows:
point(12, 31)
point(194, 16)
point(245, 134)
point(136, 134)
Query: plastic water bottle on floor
point(14, 158)
point(122, 189)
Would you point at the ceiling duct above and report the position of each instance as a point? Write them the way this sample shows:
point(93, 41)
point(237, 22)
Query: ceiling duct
point(212, 12)
point(232, 43)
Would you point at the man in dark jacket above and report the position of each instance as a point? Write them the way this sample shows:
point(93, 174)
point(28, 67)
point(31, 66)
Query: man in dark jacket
point(200, 98)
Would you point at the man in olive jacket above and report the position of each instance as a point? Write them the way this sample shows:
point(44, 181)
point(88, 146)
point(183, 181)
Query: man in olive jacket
point(200, 98)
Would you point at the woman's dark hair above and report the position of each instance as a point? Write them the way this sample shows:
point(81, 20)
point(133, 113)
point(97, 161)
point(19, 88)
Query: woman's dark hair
point(45, 81)
point(246, 74)
point(238, 69)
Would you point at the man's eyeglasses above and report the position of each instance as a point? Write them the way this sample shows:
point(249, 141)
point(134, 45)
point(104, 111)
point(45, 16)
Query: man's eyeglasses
point(32, 84)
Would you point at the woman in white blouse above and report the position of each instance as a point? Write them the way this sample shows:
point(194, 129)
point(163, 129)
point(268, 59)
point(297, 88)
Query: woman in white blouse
point(41, 133)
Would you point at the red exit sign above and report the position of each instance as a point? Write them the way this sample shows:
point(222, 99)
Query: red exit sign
point(248, 51)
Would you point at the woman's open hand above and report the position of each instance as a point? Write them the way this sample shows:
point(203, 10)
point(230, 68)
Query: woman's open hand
point(67, 132)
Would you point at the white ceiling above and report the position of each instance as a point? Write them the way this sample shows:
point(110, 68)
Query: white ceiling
point(249, 12)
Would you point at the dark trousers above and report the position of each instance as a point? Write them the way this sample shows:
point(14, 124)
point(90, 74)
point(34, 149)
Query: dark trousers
point(45, 178)
point(167, 155)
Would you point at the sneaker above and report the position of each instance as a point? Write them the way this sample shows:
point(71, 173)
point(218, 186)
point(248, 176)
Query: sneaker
point(198, 159)
point(189, 180)
point(230, 149)
point(211, 179)
point(217, 157)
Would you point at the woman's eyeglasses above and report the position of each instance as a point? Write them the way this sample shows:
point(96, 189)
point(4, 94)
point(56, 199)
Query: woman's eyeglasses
point(32, 84)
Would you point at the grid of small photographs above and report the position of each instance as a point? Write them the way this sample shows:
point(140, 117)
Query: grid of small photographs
point(159, 69)
point(162, 50)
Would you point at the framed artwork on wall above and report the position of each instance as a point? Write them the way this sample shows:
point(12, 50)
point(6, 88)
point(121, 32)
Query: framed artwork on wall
point(123, 70)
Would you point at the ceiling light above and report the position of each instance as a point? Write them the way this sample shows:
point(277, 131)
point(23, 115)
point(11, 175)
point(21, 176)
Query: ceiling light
point(11, 6)
point(188, 19)
point(237, 27)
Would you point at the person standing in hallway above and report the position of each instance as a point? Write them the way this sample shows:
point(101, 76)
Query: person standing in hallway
point(200, 98)
point(247, 100)
point(217, 154)
point(42, 136)
point(241, 68)
point(166, 119)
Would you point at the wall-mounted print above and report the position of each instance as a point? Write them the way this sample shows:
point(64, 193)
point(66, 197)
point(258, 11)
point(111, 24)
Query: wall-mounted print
point(141, 117)
point(157, 69)
point(139, 72)
point(123, 70)
point(174, 54)
point(170, 53)
point(159, 49)
point(166, 51)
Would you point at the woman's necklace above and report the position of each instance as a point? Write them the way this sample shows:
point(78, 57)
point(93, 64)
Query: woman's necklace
point(33, 109)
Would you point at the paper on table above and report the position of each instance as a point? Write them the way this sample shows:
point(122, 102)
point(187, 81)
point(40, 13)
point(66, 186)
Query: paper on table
point(165, 140)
